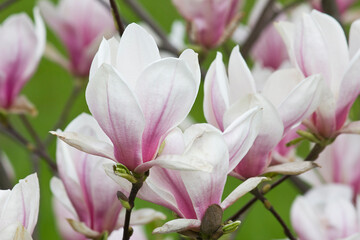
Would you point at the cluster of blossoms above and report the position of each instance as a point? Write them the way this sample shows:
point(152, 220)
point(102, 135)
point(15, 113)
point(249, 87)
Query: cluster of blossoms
point(305, 80)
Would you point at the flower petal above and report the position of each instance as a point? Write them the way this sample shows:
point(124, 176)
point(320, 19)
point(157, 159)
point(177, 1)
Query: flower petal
point(216, 96)
point(241, 190)
point(166, 91)
point(354, 38)
point(119, 115)
point(191, 58)
point(178, 225)
point(136, 51)
point(292, 168)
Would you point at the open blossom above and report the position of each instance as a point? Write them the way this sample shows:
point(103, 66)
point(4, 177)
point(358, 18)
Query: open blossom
point(326, 213)
point(211, 21)
point(286, 99)
point(317, 45)
point(340, 163)
point(19, 59)
point(137, 98)
point(190, 193)
point(19, 209)
point(85, 194)
point(80, 25)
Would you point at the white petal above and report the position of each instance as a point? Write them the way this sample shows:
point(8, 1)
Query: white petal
point(292, 168)
point(354, 38)
point(178, 225)
point(241, 190)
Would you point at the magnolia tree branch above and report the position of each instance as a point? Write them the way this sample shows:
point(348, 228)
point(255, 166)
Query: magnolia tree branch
point(312, 156)
point(8, 129)
point(6, 4)
point(145, 16)
point(131, 200)
point(116, 12)
point(268, 206)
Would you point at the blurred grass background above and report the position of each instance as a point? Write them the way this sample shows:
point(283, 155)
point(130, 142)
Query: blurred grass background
point(49, 89)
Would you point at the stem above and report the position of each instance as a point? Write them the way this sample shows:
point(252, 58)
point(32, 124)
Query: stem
point(134, 190)
point(6, 4)
point(9, 130)
point(145, 16)
point(268, 206)
point(312, 156)
point(65, 112)
point(261, 23)
point(116, 12)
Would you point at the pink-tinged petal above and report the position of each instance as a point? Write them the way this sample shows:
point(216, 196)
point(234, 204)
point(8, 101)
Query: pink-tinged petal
point(241, 134)
point(82, 228)
point(301, 101)
point(58, 190)
point(19, 58)
point(177, 162)
point(241, 81)
point(212, 148)
point(166, 90)
point(270, 133)
point(348, 91)
point(138, 234)
point(311, 50)
point(119, 115)
point(145, 215)
point(216, 93)
point(324, 118)
point(87, 144)
point(137, 50)
point(15, 232)
point(305, 220)
point(287, 32)
point(22, 204)
point(241, 190)
point(174, 143)
point(105, 54)
point(336, 46)
point(65, 229)
point(191, 58)
point(178, 225)
point(352, 128)
point(291, 168)
point(354, 38)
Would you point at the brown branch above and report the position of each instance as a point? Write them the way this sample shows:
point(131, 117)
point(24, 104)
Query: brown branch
point(6, 4)
point(269, 207)
point(116, 12)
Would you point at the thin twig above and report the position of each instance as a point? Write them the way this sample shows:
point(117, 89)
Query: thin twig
point(116, 12)
point(268, 206)
point(144, 15)
point(6, 4)
point(261, 23)
point(134, 190)
point(10, 131)
point(312, 156)
point(65, 112)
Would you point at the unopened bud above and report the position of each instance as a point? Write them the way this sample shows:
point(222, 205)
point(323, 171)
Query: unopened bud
point(266, 188)
point(212, 220)
point(231, 227)
point(122, 171)
point(123, 200)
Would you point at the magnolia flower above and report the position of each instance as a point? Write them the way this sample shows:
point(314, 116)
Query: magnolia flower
point(211, 21)
point(326, 213)
point(317, 45)
point(80, 25)
point(85, 191)
point(190, 193)
point(137, 98)
point(286, 99)
point(19, 59)
point(340, 163)
point(19, 209)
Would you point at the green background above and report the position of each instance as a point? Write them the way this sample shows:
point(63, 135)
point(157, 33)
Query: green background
point(49, 89)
